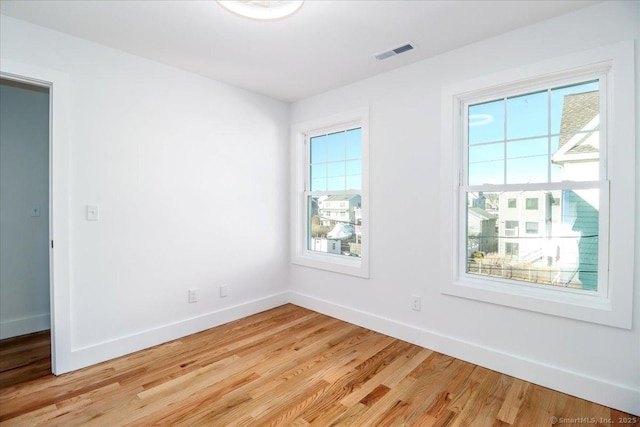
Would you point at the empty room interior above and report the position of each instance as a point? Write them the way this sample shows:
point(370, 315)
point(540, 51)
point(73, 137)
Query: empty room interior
point(319, 213)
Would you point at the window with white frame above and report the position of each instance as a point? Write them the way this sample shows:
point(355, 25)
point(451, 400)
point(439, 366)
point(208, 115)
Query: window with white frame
point(539, 142)
point(331, 174)
point(534, 147)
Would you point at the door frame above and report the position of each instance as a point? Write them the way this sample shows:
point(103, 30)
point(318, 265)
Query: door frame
point(59, 283)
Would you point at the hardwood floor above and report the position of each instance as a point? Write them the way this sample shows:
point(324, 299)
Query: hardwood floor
point(290, 367)
point(24, 358)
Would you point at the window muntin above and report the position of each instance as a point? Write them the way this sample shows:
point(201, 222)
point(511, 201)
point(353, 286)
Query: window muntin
point(543, 148)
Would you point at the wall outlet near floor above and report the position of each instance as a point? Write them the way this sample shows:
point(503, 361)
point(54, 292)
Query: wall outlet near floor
point(193, 295)
point(415, 303)
point(224, 290)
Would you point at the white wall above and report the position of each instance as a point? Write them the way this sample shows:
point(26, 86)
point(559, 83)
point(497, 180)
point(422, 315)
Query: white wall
point(589, 360)
point(24, 185)
point(191, 179)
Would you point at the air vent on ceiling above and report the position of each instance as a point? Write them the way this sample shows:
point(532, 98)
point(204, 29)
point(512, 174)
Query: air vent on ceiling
point(395, 51)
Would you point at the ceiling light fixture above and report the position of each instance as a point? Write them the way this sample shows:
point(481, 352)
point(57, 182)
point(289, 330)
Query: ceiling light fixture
point(262, 10)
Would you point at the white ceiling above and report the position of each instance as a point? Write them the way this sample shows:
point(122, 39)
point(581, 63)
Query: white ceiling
point(325, 45)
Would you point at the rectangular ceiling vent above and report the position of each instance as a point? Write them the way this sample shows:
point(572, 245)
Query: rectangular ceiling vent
point(395, 51)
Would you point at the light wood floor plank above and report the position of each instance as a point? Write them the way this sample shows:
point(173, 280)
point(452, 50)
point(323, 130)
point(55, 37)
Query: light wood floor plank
point(284, 367)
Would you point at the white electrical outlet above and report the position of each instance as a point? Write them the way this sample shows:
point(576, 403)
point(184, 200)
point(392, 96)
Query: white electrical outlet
point(415, 303)
point(224, 290)
point(193, 295)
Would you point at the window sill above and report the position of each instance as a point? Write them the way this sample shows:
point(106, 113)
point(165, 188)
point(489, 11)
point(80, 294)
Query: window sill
point(334, 263)
point(557, 302)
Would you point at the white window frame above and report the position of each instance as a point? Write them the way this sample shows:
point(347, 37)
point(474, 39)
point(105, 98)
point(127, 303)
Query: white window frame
point(300, 254)
point(532, 85)
point(612, 303)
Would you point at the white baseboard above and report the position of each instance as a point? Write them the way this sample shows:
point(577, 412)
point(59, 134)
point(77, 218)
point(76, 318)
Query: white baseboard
point(86, 356)
point(25, 325)
point(585, 387)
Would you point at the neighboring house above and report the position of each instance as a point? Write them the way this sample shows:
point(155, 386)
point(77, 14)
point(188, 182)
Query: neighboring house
point(481, 230)
point(358, 222)
point(326, 245)
point(341, 208)
point(578, 154)
point(528, 220)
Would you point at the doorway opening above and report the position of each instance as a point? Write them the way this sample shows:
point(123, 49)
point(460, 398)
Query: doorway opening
point(25, 226)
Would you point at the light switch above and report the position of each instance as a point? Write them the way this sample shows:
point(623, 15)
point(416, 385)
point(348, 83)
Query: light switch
point(35, 210)
point(93, 213)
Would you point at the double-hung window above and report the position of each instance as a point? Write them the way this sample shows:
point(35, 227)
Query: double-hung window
point(539, 142)
point(537, 152)
point(330, 201)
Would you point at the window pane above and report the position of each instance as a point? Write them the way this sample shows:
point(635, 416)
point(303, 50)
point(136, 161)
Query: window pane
point(581, 217)
point(486, 173)
point(529, 170)
point(354, 145)
point(578, 157)
point(336, 146)
point(354, 173)
point(486, 164)
point(336, 183)
point(527, 161)
point(527, 115)
point(318, 171)
point(335, 169)
point(556, 168)
point(318, 184)
point(486, 122)
point(354, 182)
point(319, 177)
point(319, 149)
point(557, 247)
point(335, 224)
point(482, 235)
point(527, 148)
point(575, 108)
point(354, 167)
